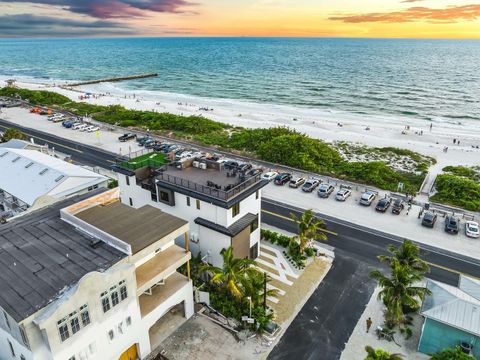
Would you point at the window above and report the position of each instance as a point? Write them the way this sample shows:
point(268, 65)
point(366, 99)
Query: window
point(256, 195)
point(198, 204)
point(235, 210)
point(11, 348)
point(254, 225)
point(120, 328)
point(188, 200)
point(85, 317)
point(6, 320)
point(131, 201)
point(127, 179)
point(24, 336)
point(63, 329)
point(128, 321)
point(254, 251)
point(164, 196)
point(123, 292)
point(75, 325)
point(105, 302)
point(115, 300)
point(111, 335)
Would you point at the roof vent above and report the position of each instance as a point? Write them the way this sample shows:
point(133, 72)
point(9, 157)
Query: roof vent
point(59, 178)
point(16, 159)
point(43, 171)
point(5, 153)
point(28, 165)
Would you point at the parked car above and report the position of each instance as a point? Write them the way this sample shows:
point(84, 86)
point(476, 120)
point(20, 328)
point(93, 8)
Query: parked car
point(383, 204)
point(451, 224)
point(254, 172)
point(471, 229)
point(296, 182)
point(67, 123)
point(397, 206)
point(82, 127)
point(150, 144)
point(343, 194)
point(269, 175)
point(311, 184)
point(230, 164)
point(283, 178)
point(76, 125)
point(127, 136)
point(325, 190)
point(141, 140)
point(367, 198)
point(93, 128)
point(429, 219)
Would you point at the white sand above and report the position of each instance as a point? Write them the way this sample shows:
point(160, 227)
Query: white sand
point(384, 130)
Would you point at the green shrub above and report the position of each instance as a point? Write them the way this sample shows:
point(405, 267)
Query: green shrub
point(457, 191)
point(467, 172)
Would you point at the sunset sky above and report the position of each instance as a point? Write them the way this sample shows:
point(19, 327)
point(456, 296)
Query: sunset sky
point(305, 18)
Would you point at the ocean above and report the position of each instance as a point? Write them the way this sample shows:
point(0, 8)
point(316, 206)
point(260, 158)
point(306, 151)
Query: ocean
point(436, 80)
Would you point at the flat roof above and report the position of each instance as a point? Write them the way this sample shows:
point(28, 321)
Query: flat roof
point(41, 256)
point(137, 227)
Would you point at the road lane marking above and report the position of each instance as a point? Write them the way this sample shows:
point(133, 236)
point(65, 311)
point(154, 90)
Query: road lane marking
point(289, 219)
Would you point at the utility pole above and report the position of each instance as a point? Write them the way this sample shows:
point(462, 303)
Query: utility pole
point(265, 291)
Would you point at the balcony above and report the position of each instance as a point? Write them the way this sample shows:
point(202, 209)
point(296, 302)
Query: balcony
point(163, 297)
point(160, 266)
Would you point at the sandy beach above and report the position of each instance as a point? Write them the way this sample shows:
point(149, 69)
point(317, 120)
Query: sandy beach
point(330, 126)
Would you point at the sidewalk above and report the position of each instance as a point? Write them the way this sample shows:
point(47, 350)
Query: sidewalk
point(403, 225)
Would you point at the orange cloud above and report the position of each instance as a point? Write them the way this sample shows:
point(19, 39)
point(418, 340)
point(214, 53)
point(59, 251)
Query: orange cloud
point(414, 14)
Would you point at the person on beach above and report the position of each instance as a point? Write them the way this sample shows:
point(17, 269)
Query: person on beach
point(454, 141)
point(369, 324)
point(431, 127)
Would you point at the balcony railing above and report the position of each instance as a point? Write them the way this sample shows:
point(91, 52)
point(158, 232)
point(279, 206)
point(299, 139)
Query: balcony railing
point(208, 190)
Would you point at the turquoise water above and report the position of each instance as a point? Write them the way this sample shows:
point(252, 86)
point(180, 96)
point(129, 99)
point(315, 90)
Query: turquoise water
point(427, 79)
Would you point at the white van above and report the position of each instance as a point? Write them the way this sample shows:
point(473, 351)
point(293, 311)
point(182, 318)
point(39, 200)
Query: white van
point(77, 126)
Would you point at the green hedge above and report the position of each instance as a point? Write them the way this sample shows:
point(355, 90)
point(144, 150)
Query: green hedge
point(457, 191)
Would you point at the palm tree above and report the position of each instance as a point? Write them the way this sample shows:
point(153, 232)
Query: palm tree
point(254, 288)
point(380, 354)
point(308, 229)
point(235, 273)
point(407, 254)
point(398, 291)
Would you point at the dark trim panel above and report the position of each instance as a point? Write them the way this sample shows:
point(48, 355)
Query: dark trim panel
point(233, 230)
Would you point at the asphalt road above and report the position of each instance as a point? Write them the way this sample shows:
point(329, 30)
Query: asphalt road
point(84, 154)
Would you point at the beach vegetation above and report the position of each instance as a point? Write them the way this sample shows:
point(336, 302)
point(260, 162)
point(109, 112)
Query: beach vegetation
point(457, 191)
point(380, 354)
point(454, 353)
point(280, 145)
point(472, 172)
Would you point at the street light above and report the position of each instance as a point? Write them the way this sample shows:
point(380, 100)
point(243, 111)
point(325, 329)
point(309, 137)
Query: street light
point(250, 305)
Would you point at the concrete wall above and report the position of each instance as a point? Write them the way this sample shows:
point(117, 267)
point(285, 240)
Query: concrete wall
point(437, 336)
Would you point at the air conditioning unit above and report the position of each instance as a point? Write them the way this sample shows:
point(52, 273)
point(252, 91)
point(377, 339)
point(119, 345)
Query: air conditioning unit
point(195, 164)
point(202, 166)
point(194, 238)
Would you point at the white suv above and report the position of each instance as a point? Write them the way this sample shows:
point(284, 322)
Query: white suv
point(367, 198)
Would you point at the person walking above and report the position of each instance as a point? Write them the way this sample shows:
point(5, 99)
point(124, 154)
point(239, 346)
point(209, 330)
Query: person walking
point(369, 324)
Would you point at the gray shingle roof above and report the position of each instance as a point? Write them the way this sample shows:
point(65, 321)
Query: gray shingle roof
point(41, 255)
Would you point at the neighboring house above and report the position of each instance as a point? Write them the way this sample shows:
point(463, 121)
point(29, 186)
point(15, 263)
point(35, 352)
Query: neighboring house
point(222, 206)
point(31, 179)
point(90, 280)
point(452, 316)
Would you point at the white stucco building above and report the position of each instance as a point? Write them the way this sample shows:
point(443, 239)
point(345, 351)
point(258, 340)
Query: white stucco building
point(90, 280)
point(222, 206)
point(30, 179)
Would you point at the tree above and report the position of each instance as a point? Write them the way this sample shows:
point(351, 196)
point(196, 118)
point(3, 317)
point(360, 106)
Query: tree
point(455, 353)
point(234, 275)
point(380, 354)
point(398, 291)
point(254, 288)
point(12, 133)
point(308, 229)
point(407, 254)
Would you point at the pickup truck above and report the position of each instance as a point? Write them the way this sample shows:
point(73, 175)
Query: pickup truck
point(127, 136)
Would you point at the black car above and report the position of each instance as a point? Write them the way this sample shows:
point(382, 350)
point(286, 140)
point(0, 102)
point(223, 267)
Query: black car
point(254, 172)
point(127, 136)
point(429, 219)
point(451, 225)
point(150, 144)
point(383, 204)
point(244, 167)
point(397, 206)
point(282, 178)
point(230, 164)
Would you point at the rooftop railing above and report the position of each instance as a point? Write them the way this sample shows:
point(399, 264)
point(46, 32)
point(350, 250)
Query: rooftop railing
point(210, 190)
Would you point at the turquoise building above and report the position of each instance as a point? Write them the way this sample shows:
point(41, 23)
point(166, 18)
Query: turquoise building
point(452, 317)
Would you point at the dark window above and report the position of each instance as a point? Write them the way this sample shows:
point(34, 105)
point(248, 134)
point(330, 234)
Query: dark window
point(63, 330)
point(85, 318)
point(256, 194)
point(22, 357)
point(188, 200)
point(6, 320)
point(131, 201)
point(198, 204)
point(115, 300)
point(254, 251)
point(111, 335)
point(164, 196)
point(123, 292)
point(235, 210)
point(128, 321)
point(127, 179)
point(75, 325)
point(105, 304)
point(254, 225)
point(72, 358)
point(24, 336)
point(11, 348)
